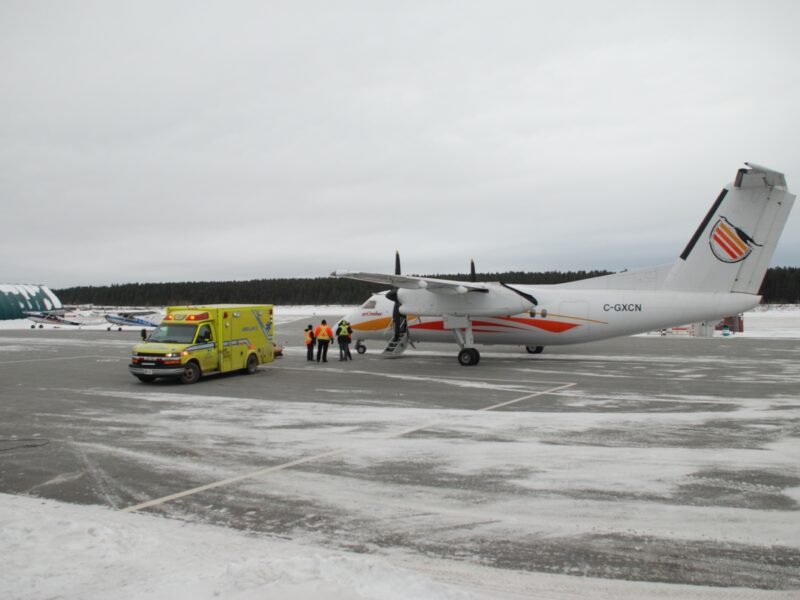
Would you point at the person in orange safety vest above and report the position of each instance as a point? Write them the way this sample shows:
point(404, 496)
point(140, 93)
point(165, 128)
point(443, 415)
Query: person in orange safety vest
point(310, 339)
point(324, 335)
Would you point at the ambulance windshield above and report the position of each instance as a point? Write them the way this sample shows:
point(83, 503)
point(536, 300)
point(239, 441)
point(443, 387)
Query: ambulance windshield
point(173, 334)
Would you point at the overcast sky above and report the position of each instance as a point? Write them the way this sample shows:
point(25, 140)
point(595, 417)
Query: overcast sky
point(174, 141)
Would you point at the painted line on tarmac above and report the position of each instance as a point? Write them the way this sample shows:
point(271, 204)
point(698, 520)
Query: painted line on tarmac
point(529, 396)
point(230, 480)
point(493, 407)
point(308, 459)
point(14, 362)
point(429, 378)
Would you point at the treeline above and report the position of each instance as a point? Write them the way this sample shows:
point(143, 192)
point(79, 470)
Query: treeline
point(781, 285)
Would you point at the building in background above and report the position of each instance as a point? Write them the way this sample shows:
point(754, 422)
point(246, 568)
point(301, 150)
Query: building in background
point(18, 299)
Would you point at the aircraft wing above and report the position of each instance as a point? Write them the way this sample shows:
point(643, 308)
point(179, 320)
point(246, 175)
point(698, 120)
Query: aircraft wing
point(58, 312)
point(411, 282)
point(134, 313)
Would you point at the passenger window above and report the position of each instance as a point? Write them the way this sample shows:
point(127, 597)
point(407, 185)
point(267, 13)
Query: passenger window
point(533, 314)
point(544, 313)
point(369, 304)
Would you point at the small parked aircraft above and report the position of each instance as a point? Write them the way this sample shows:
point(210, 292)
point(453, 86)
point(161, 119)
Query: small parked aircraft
point(134, 318)
point(72, 317)
point(48, 317)
point(719, 273)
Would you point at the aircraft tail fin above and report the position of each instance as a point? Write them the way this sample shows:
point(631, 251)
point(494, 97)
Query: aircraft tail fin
point(732, 247)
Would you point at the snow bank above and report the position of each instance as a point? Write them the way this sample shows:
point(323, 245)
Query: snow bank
point(55, 550)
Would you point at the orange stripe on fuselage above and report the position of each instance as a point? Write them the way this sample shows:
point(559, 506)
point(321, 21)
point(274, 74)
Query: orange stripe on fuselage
point(372, 324)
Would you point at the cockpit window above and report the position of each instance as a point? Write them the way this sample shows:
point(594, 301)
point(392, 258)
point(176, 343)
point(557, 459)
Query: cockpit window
point(173, 334)
point(369, 304)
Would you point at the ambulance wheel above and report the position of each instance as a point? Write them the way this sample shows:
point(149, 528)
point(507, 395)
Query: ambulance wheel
point(534, 349)
point(361, 348)
point(146, 378)
point(191, 373)
point(252, 364)
point(469, 357)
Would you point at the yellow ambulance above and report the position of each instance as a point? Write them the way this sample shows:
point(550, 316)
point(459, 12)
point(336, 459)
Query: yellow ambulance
point(193, 341)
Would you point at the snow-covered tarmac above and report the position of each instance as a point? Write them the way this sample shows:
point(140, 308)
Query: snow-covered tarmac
point(642, 467)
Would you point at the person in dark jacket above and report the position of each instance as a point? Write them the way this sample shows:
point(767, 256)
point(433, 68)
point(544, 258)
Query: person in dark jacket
point(310, 341)
point(343, 333)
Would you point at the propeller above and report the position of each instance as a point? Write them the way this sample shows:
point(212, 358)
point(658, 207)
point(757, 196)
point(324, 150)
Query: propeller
point(397, 318)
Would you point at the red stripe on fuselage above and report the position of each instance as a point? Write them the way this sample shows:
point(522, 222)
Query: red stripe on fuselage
point(430, 325)
point(545, 324)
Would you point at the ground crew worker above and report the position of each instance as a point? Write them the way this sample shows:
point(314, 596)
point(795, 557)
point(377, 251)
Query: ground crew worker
point(343, 333)
point(310, 339)
point(324, 335)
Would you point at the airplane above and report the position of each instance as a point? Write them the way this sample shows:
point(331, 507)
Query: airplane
point(74, 318)
point(719, 273)
point(132, 318)
point(45, 317)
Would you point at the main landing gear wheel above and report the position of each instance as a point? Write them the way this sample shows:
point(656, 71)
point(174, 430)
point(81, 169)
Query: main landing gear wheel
point(469, 357)
point(534, 349)
point(191, 373)
point(360, 348)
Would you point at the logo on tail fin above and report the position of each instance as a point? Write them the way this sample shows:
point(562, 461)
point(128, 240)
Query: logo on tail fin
point(729, 243)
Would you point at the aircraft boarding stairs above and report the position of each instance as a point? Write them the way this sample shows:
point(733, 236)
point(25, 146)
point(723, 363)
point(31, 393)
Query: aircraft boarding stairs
point(398, 344)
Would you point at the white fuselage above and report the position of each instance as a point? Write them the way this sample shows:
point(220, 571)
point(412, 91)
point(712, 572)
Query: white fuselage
point(562, 316)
